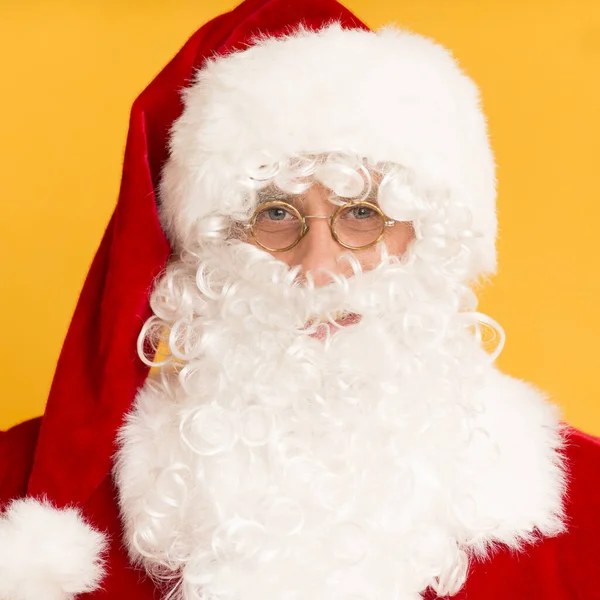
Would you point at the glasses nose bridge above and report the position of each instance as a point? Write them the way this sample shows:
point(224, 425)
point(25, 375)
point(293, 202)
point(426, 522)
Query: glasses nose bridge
point(306, 227)
point(326, 217)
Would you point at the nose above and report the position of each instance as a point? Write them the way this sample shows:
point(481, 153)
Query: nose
point(318, 253)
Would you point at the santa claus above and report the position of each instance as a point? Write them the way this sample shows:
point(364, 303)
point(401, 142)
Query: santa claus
point(293, 252)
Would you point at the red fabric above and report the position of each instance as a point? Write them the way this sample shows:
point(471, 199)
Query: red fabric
point(17, 448)
point(98, 372)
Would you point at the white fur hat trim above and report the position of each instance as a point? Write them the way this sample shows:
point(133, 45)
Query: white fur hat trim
point(390, 96)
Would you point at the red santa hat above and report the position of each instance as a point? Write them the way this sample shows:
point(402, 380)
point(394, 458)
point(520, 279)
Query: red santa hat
point(99, 372)
point(272, 75)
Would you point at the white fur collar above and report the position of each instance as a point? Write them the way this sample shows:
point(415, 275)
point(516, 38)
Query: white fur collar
point(523, 488)
point(513, 487)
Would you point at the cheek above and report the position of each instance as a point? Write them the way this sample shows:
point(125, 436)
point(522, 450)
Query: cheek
point(369, 258)
point(290, 257)
point(397, 240)
point(399, 237)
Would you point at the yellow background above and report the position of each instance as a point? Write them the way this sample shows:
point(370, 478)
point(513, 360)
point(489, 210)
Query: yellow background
point(71, 69)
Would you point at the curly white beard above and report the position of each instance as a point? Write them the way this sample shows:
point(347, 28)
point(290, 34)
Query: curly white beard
point(265, 464)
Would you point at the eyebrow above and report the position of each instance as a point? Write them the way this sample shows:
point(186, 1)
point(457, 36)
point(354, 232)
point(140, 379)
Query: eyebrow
point(373, 195)
point(272, 193)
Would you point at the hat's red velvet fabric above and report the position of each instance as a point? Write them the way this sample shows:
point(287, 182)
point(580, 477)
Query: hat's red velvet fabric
point(98, 372)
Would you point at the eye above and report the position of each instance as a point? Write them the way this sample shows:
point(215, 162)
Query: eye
point(361, 212)
point(276, 214)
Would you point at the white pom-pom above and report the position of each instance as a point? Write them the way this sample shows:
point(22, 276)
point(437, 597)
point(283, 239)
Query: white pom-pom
point(47, 553)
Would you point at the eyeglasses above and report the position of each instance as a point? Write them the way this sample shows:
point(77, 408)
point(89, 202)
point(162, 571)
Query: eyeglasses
point(277, 226)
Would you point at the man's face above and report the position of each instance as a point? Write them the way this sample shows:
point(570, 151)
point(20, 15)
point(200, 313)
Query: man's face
point(320, 254)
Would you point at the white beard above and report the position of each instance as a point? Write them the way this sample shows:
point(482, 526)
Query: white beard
point(268, 465)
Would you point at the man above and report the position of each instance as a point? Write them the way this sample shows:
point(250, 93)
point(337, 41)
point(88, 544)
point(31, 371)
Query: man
point(322, 421)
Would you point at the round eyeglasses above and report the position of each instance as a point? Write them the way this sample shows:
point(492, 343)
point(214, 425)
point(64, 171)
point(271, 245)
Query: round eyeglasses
point(277, 226)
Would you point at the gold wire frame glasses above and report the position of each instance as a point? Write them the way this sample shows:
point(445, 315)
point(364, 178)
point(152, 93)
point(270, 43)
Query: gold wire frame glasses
point(277, 226)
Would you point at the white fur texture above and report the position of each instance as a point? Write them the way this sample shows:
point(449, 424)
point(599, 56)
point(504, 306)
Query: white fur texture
point(508, 495)
point(46, 553)
point(387, 96)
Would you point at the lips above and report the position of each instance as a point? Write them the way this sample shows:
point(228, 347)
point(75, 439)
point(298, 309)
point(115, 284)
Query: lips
point(326, 328)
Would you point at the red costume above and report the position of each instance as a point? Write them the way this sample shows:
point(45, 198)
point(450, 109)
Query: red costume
point(65, 459)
